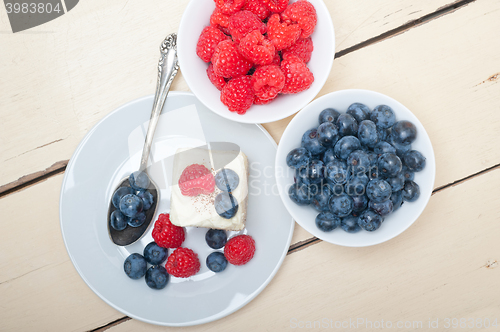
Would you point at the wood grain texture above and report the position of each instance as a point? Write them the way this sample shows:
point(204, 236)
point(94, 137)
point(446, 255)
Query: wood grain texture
point(444, 266)
point(65, 75)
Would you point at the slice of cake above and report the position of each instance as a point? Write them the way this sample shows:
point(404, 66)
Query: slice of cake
point(210, 189)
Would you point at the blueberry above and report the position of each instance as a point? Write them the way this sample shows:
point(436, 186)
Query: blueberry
point(131, 205)
point(384, 208)
point(407, 174)
point(397, 182)
point(383, 116)
point(328, 115)
point(397, 200)
point(404, 132)
point(370, 221)
point(414, 161)
point(311, 143)
point(359, 111)
point(356, 185)
point(411, 191)
point(139, 180)
point(302, 176)
point(299, 194)
point(135, 266)
point(226, 205)
point(227, 180)
point(137, 220)
point(341, 205)
point(328, 134)
point(347, 124)
point(216, 238)
point(389, 165)
point(345, 146)
point(367, 133)
point(118, 220)
point(384, 133)
point(401, 149)
point(378, 190)
point(358, 160)
point(216, 262)
point(328, 156)
point(157, 277)
point(147, 199)
point(154, 254)
point(298, 157)
point(359, 203)
point(327, 221)
point(321, 199)
point(383, 147)
point(119, 193)
point(336, 172)
point(350, 224)
point(316, 171)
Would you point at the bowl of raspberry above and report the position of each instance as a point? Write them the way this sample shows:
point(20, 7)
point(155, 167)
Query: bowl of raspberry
point(256, 61)
point(355, 168)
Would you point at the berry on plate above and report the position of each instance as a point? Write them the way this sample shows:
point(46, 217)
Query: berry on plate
point(267, 82)
point(217, 81)
point(135, 266)
point(216, 262)
point(229, 7)
point(244, 22)
point(195, 180)
point(282, 35)
point(166, 234)
point(216, 238)
point(256, 48)
point(183, 263)
point(157, 277)
point(154, 254)
point(228, 62)
point(297, 76)
point(238, 94)
point(302, 48)
point(303, 13)
point(209, 38)
point(240, 249)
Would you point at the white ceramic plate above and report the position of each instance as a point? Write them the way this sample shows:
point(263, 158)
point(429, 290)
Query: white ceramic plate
point(197, 16)
point(396, 222)
point(109, 152)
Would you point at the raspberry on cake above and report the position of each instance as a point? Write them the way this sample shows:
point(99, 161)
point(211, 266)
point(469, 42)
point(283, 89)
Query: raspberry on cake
point(201, 210)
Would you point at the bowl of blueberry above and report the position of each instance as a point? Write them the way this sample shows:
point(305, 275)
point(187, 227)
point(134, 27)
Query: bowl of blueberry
point(355, 168)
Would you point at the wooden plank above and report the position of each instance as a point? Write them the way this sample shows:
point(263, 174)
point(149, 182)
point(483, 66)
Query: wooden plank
point(64, 76)
point(444, 266)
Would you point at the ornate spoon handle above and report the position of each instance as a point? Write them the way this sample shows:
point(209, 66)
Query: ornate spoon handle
point(168, 67)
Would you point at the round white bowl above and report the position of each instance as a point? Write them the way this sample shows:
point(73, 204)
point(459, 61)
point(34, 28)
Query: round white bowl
point(396, 222)
point(197, 16)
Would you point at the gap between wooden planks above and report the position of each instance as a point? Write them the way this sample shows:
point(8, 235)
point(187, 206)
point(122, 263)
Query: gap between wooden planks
point(60, 166)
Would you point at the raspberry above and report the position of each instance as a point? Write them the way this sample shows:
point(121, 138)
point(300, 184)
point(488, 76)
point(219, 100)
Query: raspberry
point(228, 62)
point(282, 35)
point(267, 82)
point(166, 234)
point(302, 48)
point(256, 48)
point(220, 21)
point(216, 80)
point(258, 101)
point(276, 6)
point(244, 22)
point(229, 7)
point(195, 180)
point(238, 94)
point(183, 263)
point(276, 59)
point(297, 76)
point(258, 8)
point(303, 13)
point(209, 38)
point(240, 249)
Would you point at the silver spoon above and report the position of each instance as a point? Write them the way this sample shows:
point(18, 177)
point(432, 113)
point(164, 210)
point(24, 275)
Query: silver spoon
point(167, 69)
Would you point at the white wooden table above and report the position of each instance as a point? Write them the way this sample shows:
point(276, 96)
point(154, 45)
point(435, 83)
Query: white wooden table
point(440, 58)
